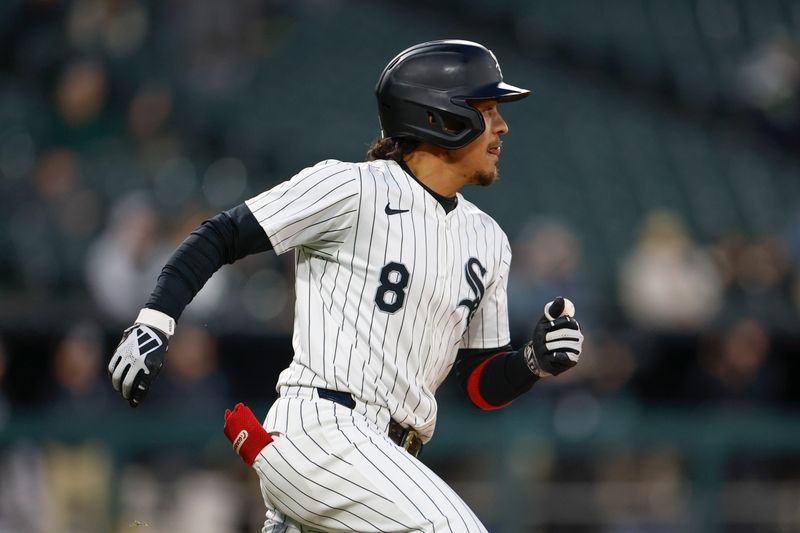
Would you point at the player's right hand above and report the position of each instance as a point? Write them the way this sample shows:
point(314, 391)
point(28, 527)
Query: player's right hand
point(557, 340)
point(140, 355)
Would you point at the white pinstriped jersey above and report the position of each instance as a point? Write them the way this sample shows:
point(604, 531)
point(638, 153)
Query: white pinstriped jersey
point(389, 286)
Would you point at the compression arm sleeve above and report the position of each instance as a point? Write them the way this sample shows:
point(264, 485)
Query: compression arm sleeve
point(493, 378)
point(221, 240)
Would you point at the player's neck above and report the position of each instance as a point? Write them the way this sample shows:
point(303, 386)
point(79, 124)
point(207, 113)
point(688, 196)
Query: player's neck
point(434, 172)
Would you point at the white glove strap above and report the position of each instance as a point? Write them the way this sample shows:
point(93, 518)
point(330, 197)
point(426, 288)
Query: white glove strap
point(533, 364)
point(156, 319)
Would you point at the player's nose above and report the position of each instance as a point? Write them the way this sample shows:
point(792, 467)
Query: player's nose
point(499, 125)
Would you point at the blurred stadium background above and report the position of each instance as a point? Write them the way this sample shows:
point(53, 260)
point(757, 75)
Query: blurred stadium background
point(653, 177)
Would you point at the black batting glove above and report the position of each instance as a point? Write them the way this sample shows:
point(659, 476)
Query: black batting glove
point(557, 340)
point(140, 355)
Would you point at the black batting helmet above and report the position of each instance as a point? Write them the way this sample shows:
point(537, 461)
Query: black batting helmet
point(423, 92)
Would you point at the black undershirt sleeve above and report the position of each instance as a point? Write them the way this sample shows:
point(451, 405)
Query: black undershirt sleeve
point(497, 382)
point(223, 239)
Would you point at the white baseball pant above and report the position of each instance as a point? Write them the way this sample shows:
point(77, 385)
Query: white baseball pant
point(331, 469)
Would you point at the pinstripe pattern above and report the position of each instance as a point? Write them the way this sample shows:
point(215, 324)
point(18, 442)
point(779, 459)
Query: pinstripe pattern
point(386, 283)
point(330, 469)
point(333, 216)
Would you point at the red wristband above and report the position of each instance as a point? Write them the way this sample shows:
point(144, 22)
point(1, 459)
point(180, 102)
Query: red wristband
point(246, 434)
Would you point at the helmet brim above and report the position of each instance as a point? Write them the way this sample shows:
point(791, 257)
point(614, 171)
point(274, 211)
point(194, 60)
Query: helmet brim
point(502, 92)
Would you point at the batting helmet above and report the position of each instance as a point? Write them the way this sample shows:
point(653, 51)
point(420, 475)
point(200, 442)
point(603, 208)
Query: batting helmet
point(423, 92)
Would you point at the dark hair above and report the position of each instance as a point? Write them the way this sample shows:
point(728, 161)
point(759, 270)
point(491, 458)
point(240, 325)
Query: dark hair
point(391, 148)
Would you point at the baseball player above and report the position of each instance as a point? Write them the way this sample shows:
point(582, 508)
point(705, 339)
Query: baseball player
point(399, 280)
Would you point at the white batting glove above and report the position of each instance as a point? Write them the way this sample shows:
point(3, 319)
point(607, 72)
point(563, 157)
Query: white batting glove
point(557, 340)
point(140, 355)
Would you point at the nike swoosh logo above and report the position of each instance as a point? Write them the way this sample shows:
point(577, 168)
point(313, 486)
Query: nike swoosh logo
point(390, 211)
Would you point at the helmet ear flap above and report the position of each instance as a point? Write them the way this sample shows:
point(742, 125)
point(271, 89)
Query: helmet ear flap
point(440, 127)
point(430, 124)
point(448, 122)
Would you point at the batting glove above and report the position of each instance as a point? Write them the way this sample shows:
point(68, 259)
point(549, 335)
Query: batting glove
point(557, 340)
point(140, 355)
point(248, 437)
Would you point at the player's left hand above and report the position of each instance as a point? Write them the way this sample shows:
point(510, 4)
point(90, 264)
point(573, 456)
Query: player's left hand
point(557, 340)
point(248, 437)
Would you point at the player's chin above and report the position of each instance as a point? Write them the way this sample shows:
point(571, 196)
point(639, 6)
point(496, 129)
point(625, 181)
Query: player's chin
point(484, 178)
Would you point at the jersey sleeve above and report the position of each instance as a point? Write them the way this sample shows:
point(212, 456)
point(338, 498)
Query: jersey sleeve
point(315, 209)
point(489, 327)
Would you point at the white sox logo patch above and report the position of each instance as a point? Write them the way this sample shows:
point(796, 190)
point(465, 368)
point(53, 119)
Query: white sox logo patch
point(476, 284)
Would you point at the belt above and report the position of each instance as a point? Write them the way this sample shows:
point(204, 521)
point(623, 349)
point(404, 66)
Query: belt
point(406, 438)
